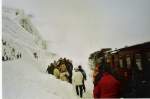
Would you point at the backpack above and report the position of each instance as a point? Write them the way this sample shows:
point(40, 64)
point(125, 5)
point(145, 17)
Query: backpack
point(84, 74)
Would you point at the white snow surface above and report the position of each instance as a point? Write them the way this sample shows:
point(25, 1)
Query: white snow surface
point(26, 78)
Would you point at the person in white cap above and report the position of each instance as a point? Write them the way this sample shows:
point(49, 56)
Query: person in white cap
point(77, 81)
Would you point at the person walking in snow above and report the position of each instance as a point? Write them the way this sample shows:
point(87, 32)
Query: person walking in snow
point(84, 76)
point(77, 81)
point(69, 69)
point(35, 55)
point(50, 69)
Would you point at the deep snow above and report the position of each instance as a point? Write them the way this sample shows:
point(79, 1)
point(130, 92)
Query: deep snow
point(24, 79)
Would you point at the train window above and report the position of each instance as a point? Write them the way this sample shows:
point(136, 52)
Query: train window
point(138, 61)
point(116, 61)
point(108, 59)
point(128, 60)
point(121, 63)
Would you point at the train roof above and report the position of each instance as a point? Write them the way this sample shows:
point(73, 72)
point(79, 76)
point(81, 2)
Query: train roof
point(145, 45)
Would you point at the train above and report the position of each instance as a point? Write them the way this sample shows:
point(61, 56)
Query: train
point(132, 63)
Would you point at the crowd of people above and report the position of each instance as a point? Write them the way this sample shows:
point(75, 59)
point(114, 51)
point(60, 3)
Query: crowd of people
point(61, 69)
point(9, 52)
point(107, 81)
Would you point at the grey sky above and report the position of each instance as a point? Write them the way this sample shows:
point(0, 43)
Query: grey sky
point(77, 27)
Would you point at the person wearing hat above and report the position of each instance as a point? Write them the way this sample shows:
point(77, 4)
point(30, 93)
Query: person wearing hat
point(77, 79)
point(84, 76)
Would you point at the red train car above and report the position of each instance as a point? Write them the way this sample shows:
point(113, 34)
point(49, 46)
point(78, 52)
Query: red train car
point(131, 63)
point(133, 58)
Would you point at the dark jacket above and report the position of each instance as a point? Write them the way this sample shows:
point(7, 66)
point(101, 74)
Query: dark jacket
point(83, 73)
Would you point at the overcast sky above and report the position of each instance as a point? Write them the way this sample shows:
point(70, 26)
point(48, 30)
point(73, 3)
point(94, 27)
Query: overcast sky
point(77, 27)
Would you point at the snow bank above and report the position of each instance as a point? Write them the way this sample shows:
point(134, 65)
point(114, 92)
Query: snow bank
point(22, 80)
point(25, 79)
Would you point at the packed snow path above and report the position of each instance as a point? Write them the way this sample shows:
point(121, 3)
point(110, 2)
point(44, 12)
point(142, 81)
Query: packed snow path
point(22, 79)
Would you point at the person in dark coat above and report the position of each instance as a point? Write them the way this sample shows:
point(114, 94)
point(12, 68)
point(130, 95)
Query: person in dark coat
point(3, 58)
point(107, 86)
point(69, 68)
point(50, 68)
point(84, 76)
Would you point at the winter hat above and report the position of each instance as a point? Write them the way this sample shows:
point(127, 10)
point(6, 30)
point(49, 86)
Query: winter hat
point(79, 67)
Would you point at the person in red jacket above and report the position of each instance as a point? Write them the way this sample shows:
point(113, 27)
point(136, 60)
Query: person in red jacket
point(106, 85)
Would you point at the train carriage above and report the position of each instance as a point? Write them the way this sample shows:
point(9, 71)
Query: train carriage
point(131, 63)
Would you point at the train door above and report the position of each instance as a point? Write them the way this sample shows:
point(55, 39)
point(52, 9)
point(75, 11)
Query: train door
point(138, 67)
point(129, 66)
point(142, 75)
point(146, 65)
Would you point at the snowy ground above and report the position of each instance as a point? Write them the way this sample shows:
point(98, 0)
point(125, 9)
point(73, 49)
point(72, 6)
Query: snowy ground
point(25, 79)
